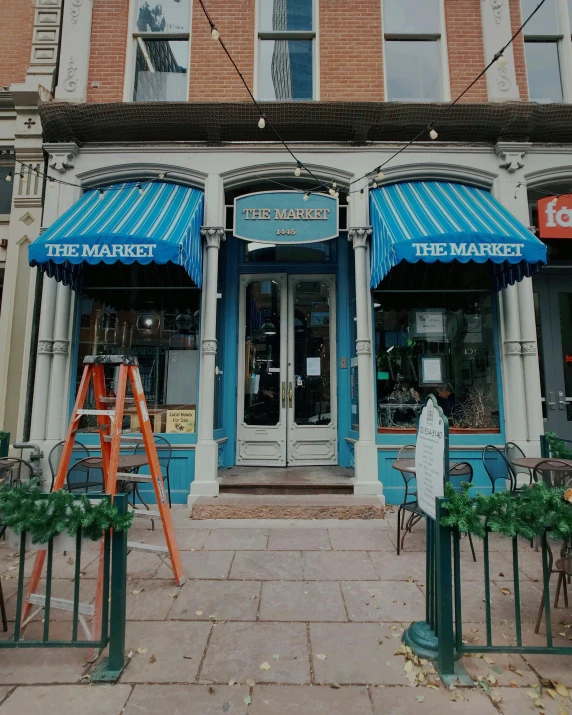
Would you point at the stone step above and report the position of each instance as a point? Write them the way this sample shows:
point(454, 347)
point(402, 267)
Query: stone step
point(290, 506)
point(286, 489)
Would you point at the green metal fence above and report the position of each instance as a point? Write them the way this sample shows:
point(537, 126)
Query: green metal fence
point(112, 632)
point(442, 637)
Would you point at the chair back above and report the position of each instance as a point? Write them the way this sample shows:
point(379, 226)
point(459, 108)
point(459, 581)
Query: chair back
point(164, 452)
point(407, 452)
point(458, 473)
point(84, 477)
point(521, 475)
point(55, 455)
point(554, 473)
point(497, 467)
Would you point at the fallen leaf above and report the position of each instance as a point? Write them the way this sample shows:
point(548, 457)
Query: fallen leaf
point(225, 707)
point(130, 654)
point(488, 660)
point(188, 657)
point(531, 694)
point(491, 679)
point(552, 693)
point(211, 690)
point(232, 681)
point(513, 684)
point(497, 669)
point(420, 698)
point(175, 595)
point(562, 711)
point(485, 686)
point(496, 699)
point(514, 669)
point(321, 656)
point(142, 651)
point(506, 591)
point(137, 590)
point(408, 667)
point(304, 592)
point(250, 682)
point(265, 666)
point(12, 568)
point(70, 561)
point(152, 659)
point(335, 686)
point(198, 613)
point(247, 700)
point(562, 690)
point(276, 656)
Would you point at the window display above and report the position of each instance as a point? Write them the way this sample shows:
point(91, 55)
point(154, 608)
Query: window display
point(439, 343)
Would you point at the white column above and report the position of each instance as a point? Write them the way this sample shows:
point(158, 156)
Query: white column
point(497, 31)
point(513, 377)
point(60, 354)
point(530, 366)
point(366, 470)
point(43, 360)
point(206, 456)
point(74, 51)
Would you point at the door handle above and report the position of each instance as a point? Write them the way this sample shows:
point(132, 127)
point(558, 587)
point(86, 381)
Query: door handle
point(289, 394)
point(561, 401)
point(283, 394)
point(551, 402)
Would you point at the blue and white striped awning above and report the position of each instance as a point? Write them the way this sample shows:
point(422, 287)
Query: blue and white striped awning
point(154, 222)
point(441, 221)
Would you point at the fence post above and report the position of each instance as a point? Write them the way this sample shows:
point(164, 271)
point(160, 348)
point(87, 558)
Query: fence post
point(111, 667)
point(446, 639)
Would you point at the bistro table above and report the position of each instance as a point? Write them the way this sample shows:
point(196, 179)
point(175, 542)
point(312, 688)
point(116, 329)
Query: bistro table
point(408, 465)
point(559, 465)
point(125, 462)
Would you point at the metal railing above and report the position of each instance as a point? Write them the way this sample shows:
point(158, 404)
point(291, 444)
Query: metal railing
point(114, 594)
point(445, 598)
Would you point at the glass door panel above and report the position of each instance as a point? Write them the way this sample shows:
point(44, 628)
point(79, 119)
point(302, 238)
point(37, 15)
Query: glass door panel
point(564, 393)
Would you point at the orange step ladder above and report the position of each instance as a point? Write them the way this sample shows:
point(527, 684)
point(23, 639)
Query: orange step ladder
point(110, 422)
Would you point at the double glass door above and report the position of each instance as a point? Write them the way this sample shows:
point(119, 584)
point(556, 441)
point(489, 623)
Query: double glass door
point(553, 307)
point(287, 371)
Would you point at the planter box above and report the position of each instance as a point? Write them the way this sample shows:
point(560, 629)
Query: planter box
point(474, 430)
point(4, 444)
point(62, 542)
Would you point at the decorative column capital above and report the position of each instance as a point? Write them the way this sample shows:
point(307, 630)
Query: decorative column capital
point(60, 347)
point(209, 347)
point(45, 347)
point(528, 347)
point(363, 347)
point(512, 347)
point(62, 156)
point(358, 236)
point(511, 154)
point(213, 235)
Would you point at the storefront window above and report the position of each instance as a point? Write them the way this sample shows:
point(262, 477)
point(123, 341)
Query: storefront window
point(158, 325)
point(439, 343)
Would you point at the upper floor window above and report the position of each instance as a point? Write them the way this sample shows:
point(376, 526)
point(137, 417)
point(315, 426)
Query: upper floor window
point(286, 52)
point(547, 44)
point(161, 36)
point(413, 52)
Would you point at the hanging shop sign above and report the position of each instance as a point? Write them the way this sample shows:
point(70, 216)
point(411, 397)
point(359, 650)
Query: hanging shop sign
point(555, 217)
point(285, 217)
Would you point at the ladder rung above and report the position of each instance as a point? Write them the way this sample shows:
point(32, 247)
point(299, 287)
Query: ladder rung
point(131, 477)
point(112, 399)
point(136, 546)
point(127, 440)
point(147, 513)
point(103, 413)
point(61, 604)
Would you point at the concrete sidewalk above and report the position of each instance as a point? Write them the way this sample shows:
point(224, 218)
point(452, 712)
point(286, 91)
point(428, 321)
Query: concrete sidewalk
point(302, 617)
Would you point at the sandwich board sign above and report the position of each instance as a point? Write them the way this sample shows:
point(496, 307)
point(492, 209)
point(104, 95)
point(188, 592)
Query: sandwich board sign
point(431, 455)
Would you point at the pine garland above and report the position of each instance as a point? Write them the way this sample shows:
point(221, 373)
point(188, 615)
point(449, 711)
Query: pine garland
point(56, 513)
point(533, 512)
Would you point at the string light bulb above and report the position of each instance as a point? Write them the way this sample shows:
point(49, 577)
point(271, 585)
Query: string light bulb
point(9, 176)
point(101, 192)
point(433, 134)
point(348, 198)
point(336, 195)
point(215, 33)
point(361, 194)
point(51, 183)
point(374, 185)
point(379, 174)
point(331, 191)
point(298, 169)
point(306, 196)
point(261, 123)
point(161, 176)
point(501, 61)
point(334, 184)
point(140, 189)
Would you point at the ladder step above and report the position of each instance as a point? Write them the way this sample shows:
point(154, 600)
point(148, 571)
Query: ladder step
point(126, 440)
point(61, 604)
point(146, 513)
point(103, 413)
point(137, 546)
point(112, 399)
point(131, 477)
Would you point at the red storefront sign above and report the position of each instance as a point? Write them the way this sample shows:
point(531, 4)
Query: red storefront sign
point(555, 217)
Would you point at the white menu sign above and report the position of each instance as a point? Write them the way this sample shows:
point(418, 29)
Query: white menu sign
point(430, 457)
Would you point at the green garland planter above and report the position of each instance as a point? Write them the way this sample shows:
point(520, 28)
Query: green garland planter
point(534, 511)
point(57, 516)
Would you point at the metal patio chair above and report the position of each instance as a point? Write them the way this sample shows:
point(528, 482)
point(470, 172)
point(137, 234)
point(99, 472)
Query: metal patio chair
point(55, 455)
point(409, 503)
point(522, 476)
point(497, 467)
point(165, 454)
point(86, 476)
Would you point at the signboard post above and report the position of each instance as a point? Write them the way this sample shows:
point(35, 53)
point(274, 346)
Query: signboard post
point(431, 471)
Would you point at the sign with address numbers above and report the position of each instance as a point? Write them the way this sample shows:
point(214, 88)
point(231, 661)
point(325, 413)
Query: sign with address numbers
point(285, 217)
point(431, 455)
